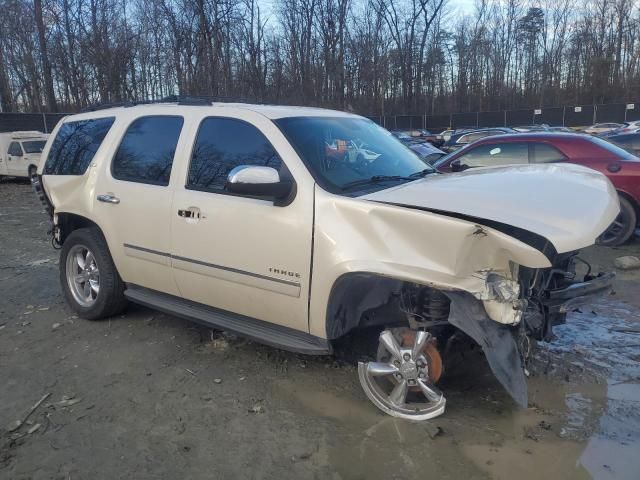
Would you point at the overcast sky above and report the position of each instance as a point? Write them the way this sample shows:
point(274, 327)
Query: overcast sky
point(455, 7)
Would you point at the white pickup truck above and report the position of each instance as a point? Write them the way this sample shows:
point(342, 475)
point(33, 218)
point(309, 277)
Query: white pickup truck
point(20, 153)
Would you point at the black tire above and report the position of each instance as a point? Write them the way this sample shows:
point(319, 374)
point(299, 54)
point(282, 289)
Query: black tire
point(31, 171)
point(622, 228)
point(110, 299)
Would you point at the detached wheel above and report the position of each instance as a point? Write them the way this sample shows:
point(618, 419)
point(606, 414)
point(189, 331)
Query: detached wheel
point(622, 227)
point(401, 380)
point(90, 282)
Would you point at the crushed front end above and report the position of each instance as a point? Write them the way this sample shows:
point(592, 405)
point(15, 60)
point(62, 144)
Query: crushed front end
point(550, 293)
point(512, 311)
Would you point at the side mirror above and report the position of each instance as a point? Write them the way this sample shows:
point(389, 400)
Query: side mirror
point(258, 181)
point(458, 166)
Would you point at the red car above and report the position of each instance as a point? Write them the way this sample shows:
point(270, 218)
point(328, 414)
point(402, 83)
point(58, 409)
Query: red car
point(620, 166)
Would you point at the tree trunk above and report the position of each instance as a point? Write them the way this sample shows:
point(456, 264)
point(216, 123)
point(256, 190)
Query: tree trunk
point(44, 58)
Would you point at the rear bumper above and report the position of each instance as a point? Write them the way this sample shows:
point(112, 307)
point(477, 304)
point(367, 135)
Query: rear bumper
point(580, 293)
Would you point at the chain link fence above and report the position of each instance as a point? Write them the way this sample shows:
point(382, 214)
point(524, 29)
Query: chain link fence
point(570, 116)
point(42, 122)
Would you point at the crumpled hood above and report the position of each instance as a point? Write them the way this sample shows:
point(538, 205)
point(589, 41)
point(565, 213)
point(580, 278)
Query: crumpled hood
point(567, 204)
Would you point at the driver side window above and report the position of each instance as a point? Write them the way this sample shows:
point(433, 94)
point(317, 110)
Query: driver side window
point(15, 150)
point(223, 144)
point(495, 154)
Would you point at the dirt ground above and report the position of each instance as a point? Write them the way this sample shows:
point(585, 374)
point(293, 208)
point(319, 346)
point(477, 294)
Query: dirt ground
point(146, 395)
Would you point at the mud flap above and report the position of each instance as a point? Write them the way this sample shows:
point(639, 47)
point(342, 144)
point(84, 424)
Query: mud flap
point(496, 340)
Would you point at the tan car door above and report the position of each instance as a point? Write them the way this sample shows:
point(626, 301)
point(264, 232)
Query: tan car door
point(239, 254)
point(134, 199)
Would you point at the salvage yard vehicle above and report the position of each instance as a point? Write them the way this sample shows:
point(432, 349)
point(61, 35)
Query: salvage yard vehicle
point(600, 128)
point(464, 137)
point(20, 153)
point(268, 222)
point(621, 167)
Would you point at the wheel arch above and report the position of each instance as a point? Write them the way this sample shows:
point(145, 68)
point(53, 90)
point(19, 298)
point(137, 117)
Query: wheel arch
point(67, 222)
point(365, 299)
point(632, 201)
point(352, 294)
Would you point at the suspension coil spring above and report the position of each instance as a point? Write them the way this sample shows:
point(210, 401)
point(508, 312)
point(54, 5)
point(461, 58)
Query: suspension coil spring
point(432, 305)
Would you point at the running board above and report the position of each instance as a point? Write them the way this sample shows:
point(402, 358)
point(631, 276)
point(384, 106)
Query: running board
point(257, 330)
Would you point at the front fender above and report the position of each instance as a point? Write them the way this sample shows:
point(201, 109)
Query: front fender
point(407, 245)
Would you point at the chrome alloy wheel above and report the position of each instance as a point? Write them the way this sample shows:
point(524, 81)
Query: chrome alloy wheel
point(398, 382)
point(83, 275)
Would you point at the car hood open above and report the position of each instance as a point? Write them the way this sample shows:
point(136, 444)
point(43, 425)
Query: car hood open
point(568, 205)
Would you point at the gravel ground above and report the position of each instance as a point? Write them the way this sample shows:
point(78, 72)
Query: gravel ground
point(146, 395)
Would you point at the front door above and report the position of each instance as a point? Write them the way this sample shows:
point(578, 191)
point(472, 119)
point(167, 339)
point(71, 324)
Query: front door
point(133, 201)
point(245, 255)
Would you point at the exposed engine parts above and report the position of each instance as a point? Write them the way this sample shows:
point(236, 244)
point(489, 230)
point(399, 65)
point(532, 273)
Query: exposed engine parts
point(426, 307)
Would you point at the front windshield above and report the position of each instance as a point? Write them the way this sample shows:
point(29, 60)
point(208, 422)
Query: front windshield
point(34, 146)
point(342, 152)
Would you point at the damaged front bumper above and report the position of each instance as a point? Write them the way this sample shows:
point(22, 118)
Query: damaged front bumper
point(499, 340)
point(566, 299)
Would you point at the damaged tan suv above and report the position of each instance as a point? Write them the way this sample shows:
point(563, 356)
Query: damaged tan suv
point(297, 226)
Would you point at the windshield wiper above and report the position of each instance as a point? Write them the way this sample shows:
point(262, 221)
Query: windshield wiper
point(422, 173)
point(375, 179)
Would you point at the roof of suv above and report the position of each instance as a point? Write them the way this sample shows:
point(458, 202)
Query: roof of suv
point(270, 111)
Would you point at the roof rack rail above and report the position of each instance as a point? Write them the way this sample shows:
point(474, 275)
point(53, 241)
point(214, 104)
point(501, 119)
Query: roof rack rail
point(204, 100)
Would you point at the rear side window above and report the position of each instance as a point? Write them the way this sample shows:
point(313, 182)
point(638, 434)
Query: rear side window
point(543, 153)
point(146, 152)
point(75, 146)
point(14, 149)
point(223, 144)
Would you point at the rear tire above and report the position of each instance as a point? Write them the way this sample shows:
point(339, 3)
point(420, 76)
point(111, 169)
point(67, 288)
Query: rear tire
point(90, 281)
point(32, 171)
point(623, 226)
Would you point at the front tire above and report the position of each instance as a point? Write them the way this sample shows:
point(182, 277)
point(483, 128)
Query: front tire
point(622, 227)
point(90, 282)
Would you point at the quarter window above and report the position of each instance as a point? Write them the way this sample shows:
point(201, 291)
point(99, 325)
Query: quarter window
point(146, 152)
point(493, 154)
point(223, 144)
point(543, 153)
point(15, 150)
point(75, 146)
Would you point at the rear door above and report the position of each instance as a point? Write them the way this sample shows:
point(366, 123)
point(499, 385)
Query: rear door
point(133, 199)
point(246, 255)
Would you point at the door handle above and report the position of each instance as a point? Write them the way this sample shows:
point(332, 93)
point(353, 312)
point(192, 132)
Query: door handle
point(108, 198)
point(191, 212)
